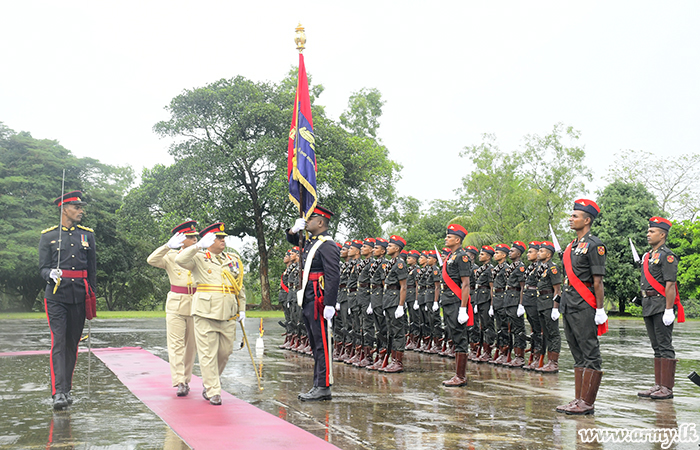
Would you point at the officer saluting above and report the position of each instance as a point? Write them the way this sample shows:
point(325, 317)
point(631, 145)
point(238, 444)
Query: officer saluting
point(321, 263)
point(69, 296)
point(659, 296)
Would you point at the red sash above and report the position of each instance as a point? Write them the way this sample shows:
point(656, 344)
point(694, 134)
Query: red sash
point(581, 288)
point(456, 290)
point(318, 294)
point(282, 285)
point(662, 290)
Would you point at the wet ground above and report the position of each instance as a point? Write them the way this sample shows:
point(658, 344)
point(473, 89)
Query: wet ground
point(500, 409)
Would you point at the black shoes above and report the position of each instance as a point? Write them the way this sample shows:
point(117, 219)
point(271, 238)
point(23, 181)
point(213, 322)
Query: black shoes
point(215, 400)
point(60, 401)
point(183, 389)
point(69, 398)
point(204, 394)
point(316, 394)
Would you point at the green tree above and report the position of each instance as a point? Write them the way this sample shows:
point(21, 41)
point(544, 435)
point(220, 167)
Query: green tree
point(362, 115)
point(30, 178)
point(625, 209)
point(684, 240)
point(674, 181)
point(230, 147)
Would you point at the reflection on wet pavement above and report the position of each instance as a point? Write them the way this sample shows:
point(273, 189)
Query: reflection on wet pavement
point(501, 408)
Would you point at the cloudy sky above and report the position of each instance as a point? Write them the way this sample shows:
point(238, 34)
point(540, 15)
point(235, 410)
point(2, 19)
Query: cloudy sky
point(96, 75)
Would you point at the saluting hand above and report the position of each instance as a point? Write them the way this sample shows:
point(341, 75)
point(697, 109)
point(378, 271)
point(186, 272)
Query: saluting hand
point(176, 240)
point(207, 240)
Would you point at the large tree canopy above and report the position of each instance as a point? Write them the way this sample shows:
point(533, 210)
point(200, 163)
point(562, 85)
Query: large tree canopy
point(229, 143)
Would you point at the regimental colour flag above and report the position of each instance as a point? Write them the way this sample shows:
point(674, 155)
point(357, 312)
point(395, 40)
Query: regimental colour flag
point(301, 151)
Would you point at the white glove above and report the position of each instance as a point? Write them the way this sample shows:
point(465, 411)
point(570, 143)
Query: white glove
point(463, 315)
point(521, 310)
point(349, 311)
point(669, 317)
point(600, 316)
point(476, 309)
point(176, 240)
point(241, 316)
point(207, 240)
point(384, 312)
point(337, 306)
point(491, 311)
point(436, 306)
point(399, 312)
point(555, 314)
point(55, 274)
point(299, 225)
point(426, 307)
point(369, 310)
point(328, 312)
point(415, 305)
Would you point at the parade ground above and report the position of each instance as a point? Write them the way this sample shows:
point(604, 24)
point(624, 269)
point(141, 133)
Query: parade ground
point(119, 403)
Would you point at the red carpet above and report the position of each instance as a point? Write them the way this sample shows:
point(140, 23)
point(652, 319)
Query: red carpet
point(233, 425)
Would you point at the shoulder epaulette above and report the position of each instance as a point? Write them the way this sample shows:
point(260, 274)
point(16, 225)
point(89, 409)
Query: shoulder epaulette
point(86, 228)
point(49, 229)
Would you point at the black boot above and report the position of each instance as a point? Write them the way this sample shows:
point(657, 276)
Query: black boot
point(316, 394)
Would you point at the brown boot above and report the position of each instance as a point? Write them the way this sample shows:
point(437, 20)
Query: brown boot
point(552, 365)
point(578, 378)
point(427, 340)
point(667, 379)
point(347, 353)
point(385, 366)
point(285, 344)
point(473, 351)
point(437, 346)
point(519, 360)
point(590, 383)
point(534, 361)
point(485, 354)
point(380, 360)
point(657, 380)
point(411, 342)
point(460, 378)
point(502, 355)
point(307, 346)
point(367, 357)
point(396, 365)
point(451, 350)
point(357, 355)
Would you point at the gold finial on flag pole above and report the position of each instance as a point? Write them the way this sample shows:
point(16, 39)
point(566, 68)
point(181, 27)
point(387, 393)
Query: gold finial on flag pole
point(300, 38)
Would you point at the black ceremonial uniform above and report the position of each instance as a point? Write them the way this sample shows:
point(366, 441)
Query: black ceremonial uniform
point(377, 273)
point(434, 318)
point(341, 320)
point(352, 326)
point(516, 275)
point(411, 289)
point(588, 257)
point(66, 308)
point(549, 276)
point(396, 328)
point(319, 292)
point(663, 267)
point(282, 300)
point(530, 304)
point(500, 276)
point(482, 298)
point(364, 300)
point(457, 266)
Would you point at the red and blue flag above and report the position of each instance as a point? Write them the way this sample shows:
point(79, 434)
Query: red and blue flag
point(301, 151)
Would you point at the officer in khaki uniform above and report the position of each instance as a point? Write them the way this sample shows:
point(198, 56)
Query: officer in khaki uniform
point(179, 324)
point(220, 297)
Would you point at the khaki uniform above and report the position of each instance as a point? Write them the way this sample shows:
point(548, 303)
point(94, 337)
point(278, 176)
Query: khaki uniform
point(179, 324)
point(220, 296)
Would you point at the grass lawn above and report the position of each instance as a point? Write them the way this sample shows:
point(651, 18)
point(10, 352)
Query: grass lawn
point(128, 314)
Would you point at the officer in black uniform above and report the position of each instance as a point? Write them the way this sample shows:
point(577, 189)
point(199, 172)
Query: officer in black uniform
point(473, 330)
point(548, 294)
point(377, 273)
point(69, 295)
point(530, 304)
point(393, 303)
point(483, 292)
point(411, 303)
point(282, 300)
point(500, 278)
point(455, 300)
point(319, 295)
point(514, 303)
point(342, 344)
point(298, 341)
point(659, 297)
point(353, 331)
point(364, 301)
point(584, 318)
point(423, 343)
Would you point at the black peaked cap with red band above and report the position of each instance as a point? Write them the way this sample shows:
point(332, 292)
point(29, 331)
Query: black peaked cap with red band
point(323, 212)
point(70, 198)
point(216, 228)
point(186, 228)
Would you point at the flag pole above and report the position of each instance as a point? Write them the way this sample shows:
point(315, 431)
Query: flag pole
point(300, 40)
